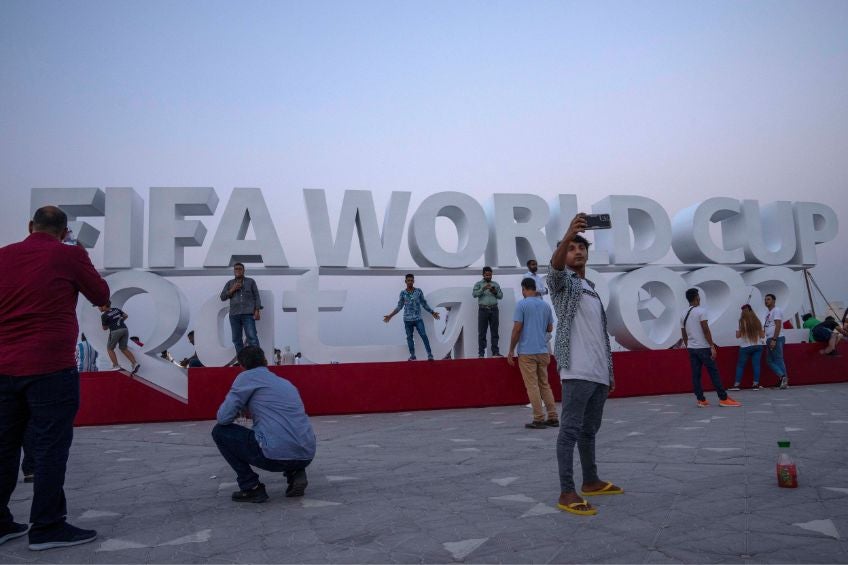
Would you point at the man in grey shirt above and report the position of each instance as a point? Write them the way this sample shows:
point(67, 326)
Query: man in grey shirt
point(244, 307)
point(281, 440)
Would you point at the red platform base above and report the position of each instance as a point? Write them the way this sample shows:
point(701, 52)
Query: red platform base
point(112, 398)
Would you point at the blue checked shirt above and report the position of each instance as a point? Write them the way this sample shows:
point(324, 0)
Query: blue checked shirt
point(412, 303)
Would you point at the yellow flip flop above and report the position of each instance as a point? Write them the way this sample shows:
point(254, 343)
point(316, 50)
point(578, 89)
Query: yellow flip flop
point(572, 508)
point(608, 488)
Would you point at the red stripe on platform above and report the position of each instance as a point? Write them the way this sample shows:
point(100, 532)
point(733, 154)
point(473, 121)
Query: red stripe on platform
point(112, 398)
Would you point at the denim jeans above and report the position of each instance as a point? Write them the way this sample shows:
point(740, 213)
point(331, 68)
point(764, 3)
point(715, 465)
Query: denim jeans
point(487, 318)
point(42, 407)
point(753, 352)
point(582, 412)
point(238, 446)
point(248, 324)
point(698, 358)
point(416, 325)
point(774, 357)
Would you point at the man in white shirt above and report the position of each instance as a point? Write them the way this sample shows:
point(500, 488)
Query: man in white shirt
point(532, 267)
point(584, 359)
point(772, 325)
point(698, 340)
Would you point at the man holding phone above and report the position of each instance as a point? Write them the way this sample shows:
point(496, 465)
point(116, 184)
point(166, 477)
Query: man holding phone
point(245, 305)
point(40, 393)
point(487, 292)
point(584, 358)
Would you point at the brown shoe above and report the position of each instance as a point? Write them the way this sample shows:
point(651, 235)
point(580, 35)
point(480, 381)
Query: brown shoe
point(540, 425)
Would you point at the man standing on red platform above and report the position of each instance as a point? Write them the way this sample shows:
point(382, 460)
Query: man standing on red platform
point(39, 393)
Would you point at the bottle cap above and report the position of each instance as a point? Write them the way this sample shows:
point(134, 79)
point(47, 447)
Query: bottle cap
point(783, 444)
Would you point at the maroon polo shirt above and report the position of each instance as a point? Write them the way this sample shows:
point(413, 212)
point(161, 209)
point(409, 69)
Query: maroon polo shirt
point(40, 279)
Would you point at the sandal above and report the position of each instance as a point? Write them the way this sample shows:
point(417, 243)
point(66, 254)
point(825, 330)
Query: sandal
point(608, 488)
point(573, 508)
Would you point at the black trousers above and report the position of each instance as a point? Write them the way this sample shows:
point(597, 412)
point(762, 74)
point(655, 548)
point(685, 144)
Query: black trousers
point(42, 407)
point(487, 318)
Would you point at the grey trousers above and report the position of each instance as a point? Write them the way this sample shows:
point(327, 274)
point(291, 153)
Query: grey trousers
point(582, 411)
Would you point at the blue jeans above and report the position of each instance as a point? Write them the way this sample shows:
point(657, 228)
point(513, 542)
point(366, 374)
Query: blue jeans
point(698, 358)
point(416, 325)
point(248, 324)
point(753, 352)
point(238, 446)
point(582, 413)
point(43, 408)
point(774, 357)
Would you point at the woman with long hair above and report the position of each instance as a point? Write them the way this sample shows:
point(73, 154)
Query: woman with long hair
point(750, 335)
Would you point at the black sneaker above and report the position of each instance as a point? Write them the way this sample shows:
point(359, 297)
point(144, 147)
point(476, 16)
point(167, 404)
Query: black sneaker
point(11, 531)
point(552, 423)
point(297, 483)
point(29, 477)
point(65, 535)
point(135, 368)
point(257, 494)
point(536, 425)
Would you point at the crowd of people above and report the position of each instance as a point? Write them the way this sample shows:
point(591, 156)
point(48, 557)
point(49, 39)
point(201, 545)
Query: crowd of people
point(40, 394)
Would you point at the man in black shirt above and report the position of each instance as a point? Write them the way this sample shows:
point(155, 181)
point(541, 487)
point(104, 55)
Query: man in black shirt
point(112, 319)
point(829, 332)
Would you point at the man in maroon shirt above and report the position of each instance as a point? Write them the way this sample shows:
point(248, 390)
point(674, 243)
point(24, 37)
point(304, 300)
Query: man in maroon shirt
point(39, 383)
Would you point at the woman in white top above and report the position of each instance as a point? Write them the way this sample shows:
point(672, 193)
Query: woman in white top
point(750, 335)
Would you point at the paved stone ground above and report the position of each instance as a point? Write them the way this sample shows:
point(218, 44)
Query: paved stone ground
point(475, 486)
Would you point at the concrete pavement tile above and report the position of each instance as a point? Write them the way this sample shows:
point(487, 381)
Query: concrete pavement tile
point(6, 557)
point(415, 494)
point(776, 546)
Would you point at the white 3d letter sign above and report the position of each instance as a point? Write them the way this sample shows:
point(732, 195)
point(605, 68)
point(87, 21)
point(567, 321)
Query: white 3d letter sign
point(756, 249)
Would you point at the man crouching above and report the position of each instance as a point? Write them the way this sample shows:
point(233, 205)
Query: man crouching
point(281, 440)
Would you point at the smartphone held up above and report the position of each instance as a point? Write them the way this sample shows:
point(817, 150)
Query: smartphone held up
point(598, 221)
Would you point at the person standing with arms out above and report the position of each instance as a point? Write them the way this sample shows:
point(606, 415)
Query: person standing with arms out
point(112, 319)
point(531, 321)
point(698, 341)
point(39, 394)
point(487, 292)
point(412, 300)
point(245, 306)
point(750, 335)
point(583, 354)
point(772, 325)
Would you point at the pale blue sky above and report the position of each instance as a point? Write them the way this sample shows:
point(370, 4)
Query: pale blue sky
point(482, 96)
point(678, 101)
